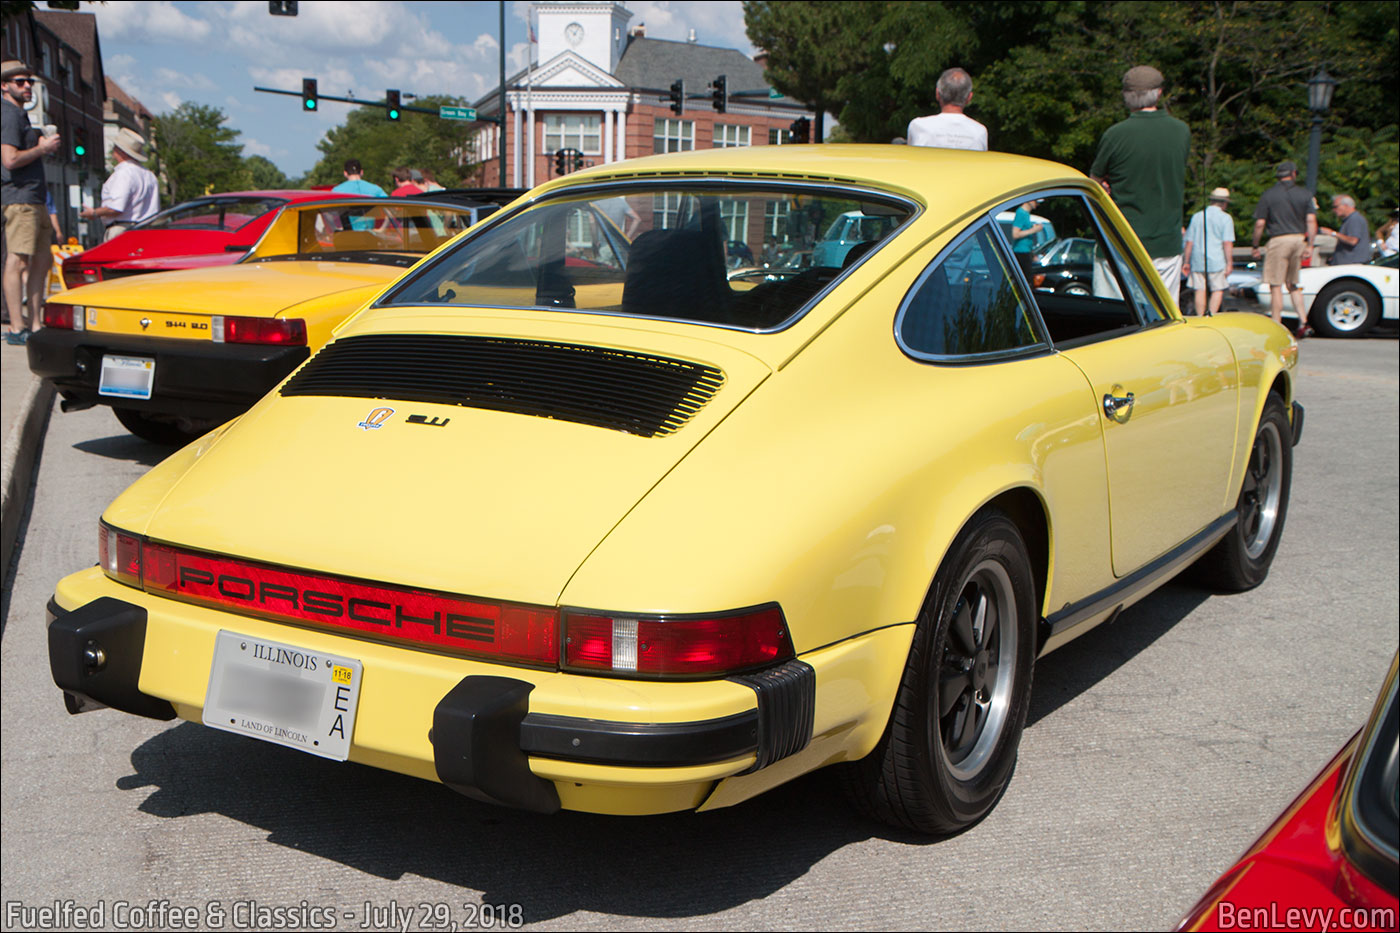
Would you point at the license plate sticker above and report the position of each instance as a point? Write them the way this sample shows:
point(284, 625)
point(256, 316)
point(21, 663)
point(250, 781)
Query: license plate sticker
point(127, 376)
point(283, 694)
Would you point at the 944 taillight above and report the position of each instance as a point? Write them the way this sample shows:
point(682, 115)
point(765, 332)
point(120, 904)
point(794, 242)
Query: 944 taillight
point(689, 646)
point(285, 332)
point(62, 316)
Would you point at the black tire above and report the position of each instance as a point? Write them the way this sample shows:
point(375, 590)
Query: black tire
point(1347, 308)
point(1241, 560)
point(949, 748)
point(149, 429)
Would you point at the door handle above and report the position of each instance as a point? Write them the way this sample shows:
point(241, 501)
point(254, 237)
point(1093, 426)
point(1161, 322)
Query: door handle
point(1118, 407)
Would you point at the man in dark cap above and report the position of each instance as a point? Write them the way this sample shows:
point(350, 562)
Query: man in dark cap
point(1141, 163)
point(1289, 214)
point(28, 232)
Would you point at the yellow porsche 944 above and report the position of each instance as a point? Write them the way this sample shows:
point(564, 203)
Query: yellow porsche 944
point(177, 353)
point(662, 497)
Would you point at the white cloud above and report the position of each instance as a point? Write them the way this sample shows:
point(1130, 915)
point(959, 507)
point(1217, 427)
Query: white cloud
point(253, 147)
point(156, 22)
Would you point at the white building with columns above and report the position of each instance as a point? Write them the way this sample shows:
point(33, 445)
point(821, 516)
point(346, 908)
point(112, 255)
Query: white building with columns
point(600, 86)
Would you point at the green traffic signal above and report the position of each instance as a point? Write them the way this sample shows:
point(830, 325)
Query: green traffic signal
point(393, 100)
point(80, 150)
point(310, 105)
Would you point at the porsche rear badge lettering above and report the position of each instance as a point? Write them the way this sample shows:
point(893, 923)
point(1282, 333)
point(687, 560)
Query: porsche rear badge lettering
point(430, 422)
point(376, 418)
point(176, 324)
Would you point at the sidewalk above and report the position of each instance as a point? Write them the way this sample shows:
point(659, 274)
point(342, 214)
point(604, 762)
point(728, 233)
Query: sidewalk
point(25, 404)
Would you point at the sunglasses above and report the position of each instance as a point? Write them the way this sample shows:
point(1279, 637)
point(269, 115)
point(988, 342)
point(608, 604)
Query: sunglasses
point(22, 81)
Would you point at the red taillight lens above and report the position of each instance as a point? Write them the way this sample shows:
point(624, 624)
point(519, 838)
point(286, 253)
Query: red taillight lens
point(290, 332)
point(1038, 279)
point(59, 316)
point(480, 628)
point(676, 647)
point(119, 554)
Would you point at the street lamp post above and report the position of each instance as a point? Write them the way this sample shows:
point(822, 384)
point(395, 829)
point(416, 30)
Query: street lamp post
point(1320, 88)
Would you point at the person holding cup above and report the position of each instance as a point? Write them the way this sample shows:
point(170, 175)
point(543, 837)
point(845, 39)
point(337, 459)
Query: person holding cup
point(27, 228)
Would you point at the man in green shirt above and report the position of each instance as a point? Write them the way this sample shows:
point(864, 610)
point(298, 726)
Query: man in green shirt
point(1141, 163)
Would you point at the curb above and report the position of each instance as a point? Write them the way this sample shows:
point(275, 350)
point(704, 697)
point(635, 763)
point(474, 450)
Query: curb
point(17, 470)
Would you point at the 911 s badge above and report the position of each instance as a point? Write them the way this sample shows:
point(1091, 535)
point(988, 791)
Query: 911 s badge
point(376, 418)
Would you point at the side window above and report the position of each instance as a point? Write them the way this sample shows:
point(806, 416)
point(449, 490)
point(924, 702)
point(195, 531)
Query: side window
point(1077, 288)
point(967, 304)
point(1138, 291)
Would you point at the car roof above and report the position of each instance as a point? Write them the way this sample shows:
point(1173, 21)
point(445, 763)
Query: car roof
point(949, 180)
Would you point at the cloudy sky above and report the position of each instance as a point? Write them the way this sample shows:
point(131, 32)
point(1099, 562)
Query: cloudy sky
point(215, 52)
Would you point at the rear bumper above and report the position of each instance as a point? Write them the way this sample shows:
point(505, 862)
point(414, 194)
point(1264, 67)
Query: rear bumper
point(537, 740)
point(193, 378)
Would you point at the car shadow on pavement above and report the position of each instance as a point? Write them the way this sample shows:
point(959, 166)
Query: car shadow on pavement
point(126, 447)
point(1077, 667)
point(389, 825)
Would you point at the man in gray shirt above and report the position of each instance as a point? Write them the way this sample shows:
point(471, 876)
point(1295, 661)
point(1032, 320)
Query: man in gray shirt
point(1354, 238)
point(1289, 215)
point(28, 232)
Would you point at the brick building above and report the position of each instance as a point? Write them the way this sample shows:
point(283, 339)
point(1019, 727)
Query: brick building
point(601, 88)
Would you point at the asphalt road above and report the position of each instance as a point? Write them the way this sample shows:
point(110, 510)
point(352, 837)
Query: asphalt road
point(1158, 748)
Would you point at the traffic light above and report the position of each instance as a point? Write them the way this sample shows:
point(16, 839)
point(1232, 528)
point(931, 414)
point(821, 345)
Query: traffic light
point(79, 143)
point(677, 97)
point(391, 104)
point(308, 94)
point(282, 8)
point(719, 93)
point(561, 160)
point(801, 130)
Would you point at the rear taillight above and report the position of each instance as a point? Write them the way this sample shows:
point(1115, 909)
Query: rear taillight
point(119, 554)
point(63, 317)
point(499, 631)
point(1038, 279)
point(288, 332)
point(678, 646)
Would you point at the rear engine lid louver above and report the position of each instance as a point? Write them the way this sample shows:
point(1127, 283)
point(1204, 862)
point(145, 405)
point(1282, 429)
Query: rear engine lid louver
point(632, 392)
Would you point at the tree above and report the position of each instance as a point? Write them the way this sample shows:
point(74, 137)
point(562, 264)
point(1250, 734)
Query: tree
point(197, 153)
point(263, 175)
point(418, 140)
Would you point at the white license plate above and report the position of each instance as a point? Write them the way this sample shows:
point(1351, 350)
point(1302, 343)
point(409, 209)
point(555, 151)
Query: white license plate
point(284, 694)
point(127, 376)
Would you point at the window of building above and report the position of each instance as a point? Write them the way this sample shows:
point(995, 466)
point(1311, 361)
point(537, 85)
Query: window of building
point(775, 217)
point(581, 131)
point(673, 135)
point(777, 137)
point(728, 135)
point(734, 215)
point(45, 60)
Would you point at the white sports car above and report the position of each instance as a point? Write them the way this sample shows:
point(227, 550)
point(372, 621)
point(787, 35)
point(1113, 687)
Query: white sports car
point(1347, 300)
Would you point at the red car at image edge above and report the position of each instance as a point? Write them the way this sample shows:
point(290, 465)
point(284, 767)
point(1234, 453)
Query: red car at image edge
point(215, 230)
point(1329, 862)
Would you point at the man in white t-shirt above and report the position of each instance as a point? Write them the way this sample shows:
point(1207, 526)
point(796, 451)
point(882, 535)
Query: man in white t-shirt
point(950, 128)
point(131, 193)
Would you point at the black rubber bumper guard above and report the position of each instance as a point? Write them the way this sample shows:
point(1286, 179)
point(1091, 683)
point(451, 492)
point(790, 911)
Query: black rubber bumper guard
point(483, 732)
point(95, 658)
point(1297, 423)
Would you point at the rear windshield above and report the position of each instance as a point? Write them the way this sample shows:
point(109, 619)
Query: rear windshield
point(227, 214)
point(741, 256)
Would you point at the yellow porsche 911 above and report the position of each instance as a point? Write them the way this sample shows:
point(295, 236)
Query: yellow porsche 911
point(177, 353)
point(625, 536)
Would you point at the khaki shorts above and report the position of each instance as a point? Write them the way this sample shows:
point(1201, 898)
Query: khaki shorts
point(1283, 256)
point(27, 229)
point(1219, 281)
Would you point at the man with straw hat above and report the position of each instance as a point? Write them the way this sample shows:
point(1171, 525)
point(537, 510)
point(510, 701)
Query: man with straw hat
point(130, 194)
point(1210, 251)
